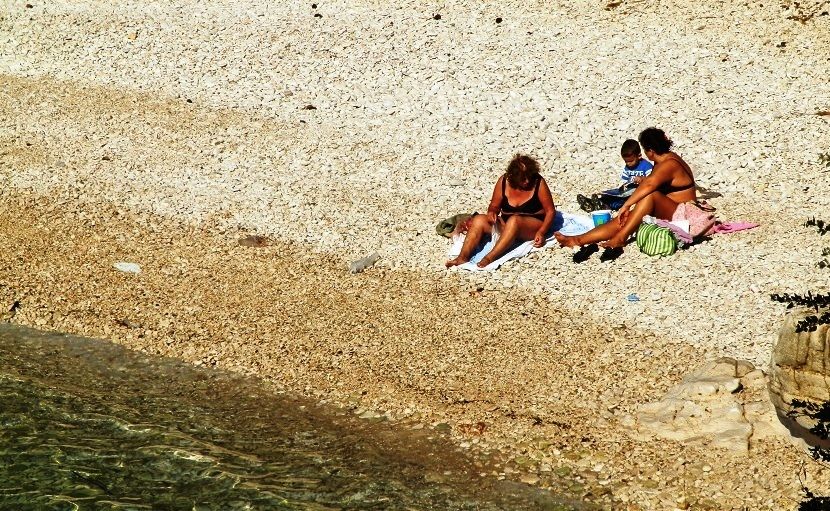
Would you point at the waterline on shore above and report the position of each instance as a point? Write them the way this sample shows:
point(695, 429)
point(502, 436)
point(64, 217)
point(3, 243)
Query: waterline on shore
point(90, 422)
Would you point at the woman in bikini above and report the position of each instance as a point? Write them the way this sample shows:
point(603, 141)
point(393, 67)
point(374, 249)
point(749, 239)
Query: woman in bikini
point(521, 209)
point(670, 183)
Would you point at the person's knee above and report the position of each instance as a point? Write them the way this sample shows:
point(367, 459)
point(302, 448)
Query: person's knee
point(512, 224)
point(513, 221)
point(646, 203)
point(480, 221)
point(648, 199)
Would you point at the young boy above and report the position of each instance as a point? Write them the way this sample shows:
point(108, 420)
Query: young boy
point(635, 169)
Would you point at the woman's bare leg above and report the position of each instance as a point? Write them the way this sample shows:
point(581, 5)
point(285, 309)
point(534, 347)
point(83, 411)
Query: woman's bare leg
point(516, 228)
point(664, 206)
point(613, 233)
point(479, 226)
point(595, 235)
point(635, 218)
point(655, 204)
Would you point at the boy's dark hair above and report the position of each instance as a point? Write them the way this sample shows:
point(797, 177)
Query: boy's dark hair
point(522, 168)
point(630, 148)
point(655, 139)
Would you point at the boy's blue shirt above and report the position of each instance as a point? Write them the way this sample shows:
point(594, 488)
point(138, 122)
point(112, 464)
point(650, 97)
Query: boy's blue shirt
point(642, 169)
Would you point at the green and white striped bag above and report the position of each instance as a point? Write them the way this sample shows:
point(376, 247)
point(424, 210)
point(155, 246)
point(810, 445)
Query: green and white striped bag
point(656, 241)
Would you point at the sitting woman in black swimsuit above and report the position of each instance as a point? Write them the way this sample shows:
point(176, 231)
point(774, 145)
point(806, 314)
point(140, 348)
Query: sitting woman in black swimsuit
point(530, 219)
point(670, 184)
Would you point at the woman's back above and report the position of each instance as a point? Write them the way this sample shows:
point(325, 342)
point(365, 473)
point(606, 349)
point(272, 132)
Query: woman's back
point(680, 187)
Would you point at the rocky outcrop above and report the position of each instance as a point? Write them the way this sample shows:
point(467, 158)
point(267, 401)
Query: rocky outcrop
point(722, 404)
point(800, 371)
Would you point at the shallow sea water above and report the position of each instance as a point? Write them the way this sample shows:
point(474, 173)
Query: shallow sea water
point(86, 424)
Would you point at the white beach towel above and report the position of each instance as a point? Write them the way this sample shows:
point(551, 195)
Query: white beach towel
point(566, 223)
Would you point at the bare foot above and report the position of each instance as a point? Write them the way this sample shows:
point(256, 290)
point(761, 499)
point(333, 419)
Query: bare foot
point(455, 262)
point(485, 261)
point(614, 242)
point(567, 241)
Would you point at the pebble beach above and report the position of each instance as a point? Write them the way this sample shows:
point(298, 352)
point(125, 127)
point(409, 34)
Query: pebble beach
point(161, 133)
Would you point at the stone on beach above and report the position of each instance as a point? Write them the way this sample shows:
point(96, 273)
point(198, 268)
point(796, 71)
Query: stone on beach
point(127, 267)
point(705, 410)
point(363, 263)
point(254, 241)
point(799, 371)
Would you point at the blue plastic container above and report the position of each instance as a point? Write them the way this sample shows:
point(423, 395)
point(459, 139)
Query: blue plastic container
point(603, 216)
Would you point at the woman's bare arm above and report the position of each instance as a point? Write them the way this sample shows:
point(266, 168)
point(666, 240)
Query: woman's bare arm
point(663, 173)
point(494, 208)
point(546, 199)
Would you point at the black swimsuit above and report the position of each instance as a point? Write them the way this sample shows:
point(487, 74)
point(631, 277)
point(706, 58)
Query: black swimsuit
point(531, 207)
point(667, 188)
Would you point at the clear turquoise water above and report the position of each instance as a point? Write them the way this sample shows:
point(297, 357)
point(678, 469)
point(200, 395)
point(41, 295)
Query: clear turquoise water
point(85, 424)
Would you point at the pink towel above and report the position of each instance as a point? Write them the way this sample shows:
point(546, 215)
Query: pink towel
point(730, 227)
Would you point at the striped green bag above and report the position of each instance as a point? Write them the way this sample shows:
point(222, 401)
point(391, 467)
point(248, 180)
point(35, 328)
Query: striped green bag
point(656, 241)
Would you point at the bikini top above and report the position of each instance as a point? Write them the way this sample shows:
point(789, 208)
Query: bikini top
point(531, 206)
point(667, 188)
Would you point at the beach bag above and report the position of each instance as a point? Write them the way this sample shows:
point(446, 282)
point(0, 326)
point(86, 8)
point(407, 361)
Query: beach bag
point(654, 240)
point(699, 214)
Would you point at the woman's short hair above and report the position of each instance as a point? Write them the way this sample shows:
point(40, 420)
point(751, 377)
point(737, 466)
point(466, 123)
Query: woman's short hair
point(522, 170)
point(655, 139)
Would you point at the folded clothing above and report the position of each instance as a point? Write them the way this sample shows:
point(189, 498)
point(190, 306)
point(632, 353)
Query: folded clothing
point(680, 229)
point(451, 225)
point(730, 227)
